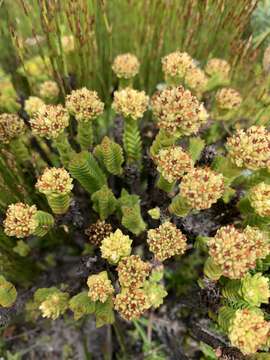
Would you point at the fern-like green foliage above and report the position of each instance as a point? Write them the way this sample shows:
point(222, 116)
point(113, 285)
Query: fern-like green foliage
point(111, 155)
point(85, 134)
point(20, 150)
point(81, 305)
point(64, 148)
point(131, 213)
point(45, 223)
point(162, 140)
point(132, 141)
point(59, 203)
point(179, 206)
point(104, 202)
point(86, 170)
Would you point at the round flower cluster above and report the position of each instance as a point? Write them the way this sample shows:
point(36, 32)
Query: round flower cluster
point(196, 79)
point(255, 289)
point(84, 104)
point(173, 163)
point(126, 66)
point(218, 67)
point(50, 121)
point(130, 103)
point(55, 305)
point(228, 99)
point(55, 180)
point(116, 246)
point(176, 64)
point(132, 271)
point(20, 220)
point(11, 126)
point(98, 231)
point(32, 105)
point(259, 197)
point(236, 252)
point(177, 110)
point(100, 287)
point(250, 148)
point(166, 241)
point(131, 304)
point(49, 90)
point(248, 330)
point(202, 187)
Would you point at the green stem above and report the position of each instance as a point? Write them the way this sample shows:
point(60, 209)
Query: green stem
point(65, 150)
point(132, 141)
point(165, 185)
point(59, 203)
point(85, 134)
point(45, 223)
point(19, 149)
point(124, 83)
point(212, 270)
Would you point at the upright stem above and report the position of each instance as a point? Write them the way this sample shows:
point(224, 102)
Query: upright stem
point(132, 141)
point(162, 140)
point(165, 185)
point(19, 149)
point(65, 150)
point(85, 134)
point(59, 203)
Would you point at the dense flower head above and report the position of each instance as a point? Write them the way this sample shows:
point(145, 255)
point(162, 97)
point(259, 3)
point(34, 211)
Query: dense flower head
point(176, 64)
point(131, 303)
point(177, 110)
point(132, 271)
point(55, 305)
point(202, 187)
point(98, 231)
point(11, 126)
point(55, 181)
point(116, 246)
point(100, 287)
point(173, 163)
point(228, 99)
point(236, 251)
point(166, 241)
point(196, 79)
point(84, 104)
point(250, 148)
point(259, 197)
point(20, 220)
point(130, 103)
point(49, 90)
point(248, 330)
point(50, 121)
point(126, 66)
point(255, 289)
point(32, 105)
point(218, 67)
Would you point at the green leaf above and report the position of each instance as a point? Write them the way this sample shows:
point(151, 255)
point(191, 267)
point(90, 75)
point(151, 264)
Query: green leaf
point(104, 313)
point(22, 248)
point(8, 293)
point(81, 305)
point(195, 148)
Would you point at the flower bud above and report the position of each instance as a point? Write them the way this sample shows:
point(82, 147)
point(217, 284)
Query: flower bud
point(173, 162)
point(20, 220)
point(166, 241)
point(176, 64)
point(236, 251)
point(132, 271)
point(218, 67)
point(54, 305)
point(248, 330)
point(50, 121)
point(202, 187)
point(250, 148)
point(54, 181)
point(100, 287)
point(98, 231)
point(84, 104)
point(32, 105)
point(196, 80)
point(228, 99)
point(116, 246)
point(131, 304)
point(259, 197)
point(130, 103)
point(255, 289)
point(11, 127)
point(177, 110)
point(126, 66)
point(49, 90)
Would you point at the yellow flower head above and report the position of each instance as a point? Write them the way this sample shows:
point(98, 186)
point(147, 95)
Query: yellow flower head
point(49, 90)
point(228, 99)
point(100, 287)
point(116, 246)
point(84, 104)
point(126, 66)
point(132, 271)
point(218, 67)
point(50, 121)
point(176, 64)
point(32, 105)
point(55, 305)
point(196, 79)
point(11, 127)
point(131, 304)
point(259, 197)
point(130, 103)
point(54, 181)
